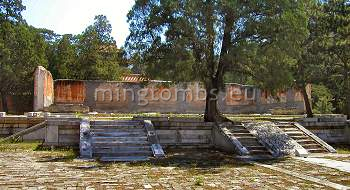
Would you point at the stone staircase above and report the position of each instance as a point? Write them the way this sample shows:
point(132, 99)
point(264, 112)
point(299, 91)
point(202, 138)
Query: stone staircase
point(308, 143)
point(120, 141)
point(247, 140)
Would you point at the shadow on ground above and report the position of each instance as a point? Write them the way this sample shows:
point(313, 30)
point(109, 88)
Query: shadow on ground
point(199, 158)
point(179, 158)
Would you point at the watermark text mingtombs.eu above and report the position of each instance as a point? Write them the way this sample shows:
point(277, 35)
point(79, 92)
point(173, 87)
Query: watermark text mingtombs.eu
point(152, 94)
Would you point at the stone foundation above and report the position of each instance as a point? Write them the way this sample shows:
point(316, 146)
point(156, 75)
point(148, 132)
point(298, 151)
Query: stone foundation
point(63, 130)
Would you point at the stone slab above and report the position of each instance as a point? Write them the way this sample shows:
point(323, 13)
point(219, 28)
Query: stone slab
point(342, 166)
point(305, 177)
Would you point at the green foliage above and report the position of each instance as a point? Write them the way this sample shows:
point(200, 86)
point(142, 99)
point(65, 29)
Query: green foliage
point(196, 40)
point(321, 99)
point(63, 58)
point(335, 43)
point(92, 55)
point(18, 146)
point(98, 53)
point(10, 11)
point(22, 50)
point(323, 106)
point(199, 181)
point(343, 149)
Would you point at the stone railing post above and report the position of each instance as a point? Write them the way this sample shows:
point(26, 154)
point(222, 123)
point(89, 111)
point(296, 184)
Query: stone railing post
point(85, 139)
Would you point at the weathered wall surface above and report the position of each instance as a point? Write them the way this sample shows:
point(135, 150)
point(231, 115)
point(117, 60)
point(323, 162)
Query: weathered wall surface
point(184, 134)
point(62, 132)
point(172, 132)
point(12, 124)
point(69, 92)
point(43, 89)
point(102, 96)
point(331, 133)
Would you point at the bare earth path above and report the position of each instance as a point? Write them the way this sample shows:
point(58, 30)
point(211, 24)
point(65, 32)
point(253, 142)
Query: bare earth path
point(180, 170)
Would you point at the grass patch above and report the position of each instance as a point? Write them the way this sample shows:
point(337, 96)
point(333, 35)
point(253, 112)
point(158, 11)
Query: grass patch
point(343, 150)
point(199, 181)
point(50, 154)
point(58, 153)
point(19, 146)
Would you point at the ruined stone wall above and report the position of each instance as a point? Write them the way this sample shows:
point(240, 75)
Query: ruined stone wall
point(331, 132)
point(102, 96)
point(43, 89)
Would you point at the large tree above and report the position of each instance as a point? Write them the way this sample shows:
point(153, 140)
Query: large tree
point(309, 61)
point(98, 55)
point(209, 38)
point(62, 55)
point(335, 44)
point(22, 49)
point(10, 11)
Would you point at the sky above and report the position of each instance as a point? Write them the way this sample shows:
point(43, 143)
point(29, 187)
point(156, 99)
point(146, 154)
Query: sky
point(73, 16)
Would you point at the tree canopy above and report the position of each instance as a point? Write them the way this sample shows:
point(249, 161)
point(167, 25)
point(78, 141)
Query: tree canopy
point(91, 55)
point(22, 48)
point(206, 39)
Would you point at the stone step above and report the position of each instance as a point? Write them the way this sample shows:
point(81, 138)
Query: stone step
point(311, 146)
point(316, 150)
point(120, 148)
point(116, 126)
point(236, 128)
point(119, 134)
point(285, 126)
point(118, 139)
point(120, 143)
point(124, 159)
point(249, 142)
point(237, 131)
point(114, 122)
point(236, 134)
point(122, 153)
point(297, 138)
point(112, 130)
point(305, 141)
point(249, 138)
point(259, 152)
point(296, 133)
point(290, 129)
point(255, 147)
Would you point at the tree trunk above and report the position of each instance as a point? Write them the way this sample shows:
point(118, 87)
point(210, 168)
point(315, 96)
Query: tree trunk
point(306, 101)
point(4, 103)
point(347, 102)
point(347, 90)
point(212, 113)
point(211, 109)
